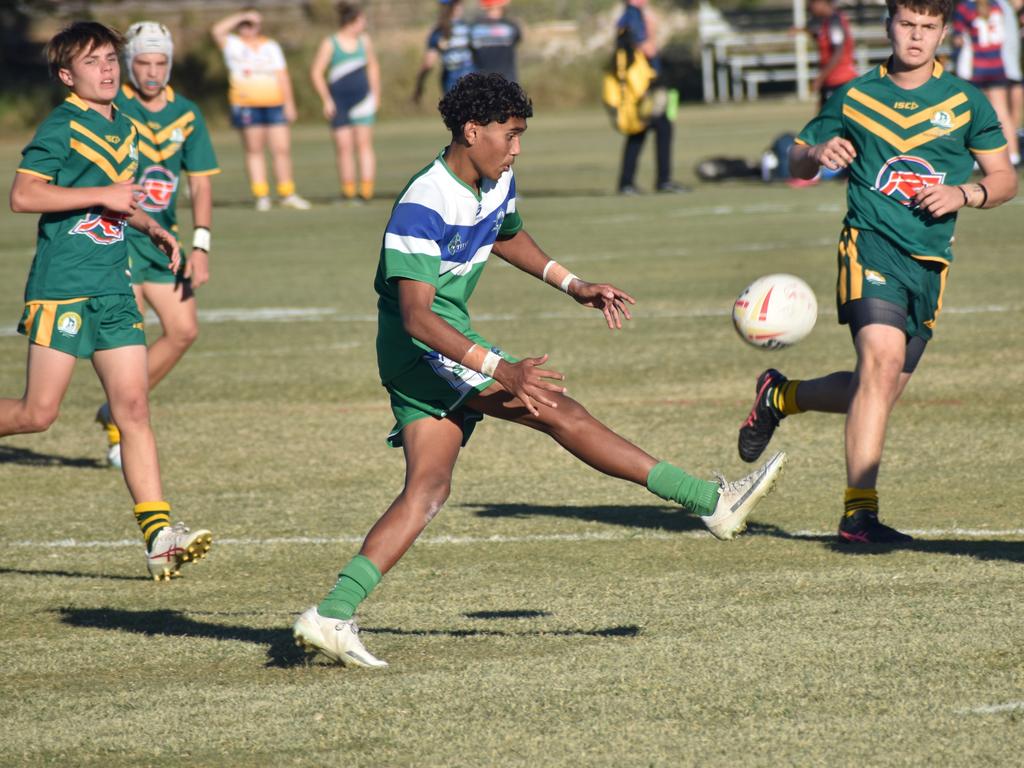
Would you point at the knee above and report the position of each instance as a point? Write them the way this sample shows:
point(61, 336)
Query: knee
point(39, 418)
point(430, 495)
point(183, 336)
point(131, 412)
point(568, 416)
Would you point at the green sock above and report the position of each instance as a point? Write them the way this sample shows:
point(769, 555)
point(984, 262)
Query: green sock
point(673, 484)
point(355, 582)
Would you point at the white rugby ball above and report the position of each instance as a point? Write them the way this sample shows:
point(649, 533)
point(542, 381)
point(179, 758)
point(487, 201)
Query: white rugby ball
point(775, 311)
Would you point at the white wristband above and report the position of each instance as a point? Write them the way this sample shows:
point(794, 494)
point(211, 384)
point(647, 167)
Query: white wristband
point(566, 281)
point(201, 239)
point(490, 363)
point(544, 274)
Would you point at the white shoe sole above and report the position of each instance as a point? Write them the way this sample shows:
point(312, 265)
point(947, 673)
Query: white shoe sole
point(735, 523)
point(309, 637)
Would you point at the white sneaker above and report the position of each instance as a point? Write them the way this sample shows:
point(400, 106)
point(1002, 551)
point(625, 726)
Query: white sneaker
point(737, 500)
point(173, 546)
point(263, 204)
point(295, 202)
point(114, 455)
point(336, 639)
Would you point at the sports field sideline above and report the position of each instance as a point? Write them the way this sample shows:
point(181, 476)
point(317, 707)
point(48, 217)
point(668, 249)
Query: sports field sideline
point(548, 616)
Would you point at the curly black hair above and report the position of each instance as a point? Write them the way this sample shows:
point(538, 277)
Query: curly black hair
point(483, 99)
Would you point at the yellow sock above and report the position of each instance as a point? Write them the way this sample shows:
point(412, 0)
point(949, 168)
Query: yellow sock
point(348, 190)
point(784, 398)
point(152, 517)
point(285, 188)
point(260, 189)
point(366, 189)
point(856, 499)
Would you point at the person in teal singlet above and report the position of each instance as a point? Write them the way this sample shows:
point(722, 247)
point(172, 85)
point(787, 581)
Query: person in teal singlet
point(346, 74)
point(78, 171)
point(173, 141)
point(909, 134)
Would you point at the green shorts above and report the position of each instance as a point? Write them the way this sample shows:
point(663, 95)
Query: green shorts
point(80, 327)
point(873, 267)
point(148, 264)
point(437, 387)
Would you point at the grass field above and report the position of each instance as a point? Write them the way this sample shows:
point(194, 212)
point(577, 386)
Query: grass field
point(549, 616)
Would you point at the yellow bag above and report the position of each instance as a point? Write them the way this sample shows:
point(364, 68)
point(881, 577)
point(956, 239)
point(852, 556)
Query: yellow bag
point(626, 91)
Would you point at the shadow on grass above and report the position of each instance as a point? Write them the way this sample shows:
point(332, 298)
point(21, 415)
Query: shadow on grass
point(281, 648)
point(73, 574)
point(980, 549)
point(658, 518)
point(12, 455)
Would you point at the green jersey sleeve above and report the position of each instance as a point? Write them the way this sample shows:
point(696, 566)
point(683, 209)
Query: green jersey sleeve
point(985, 133)
point(48, 151)
point(198, 157)
point(827, 124)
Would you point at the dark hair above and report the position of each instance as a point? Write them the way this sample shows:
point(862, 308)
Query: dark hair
point(483, 99)
point(348, 12)
point(943, 8)
point(77, 37)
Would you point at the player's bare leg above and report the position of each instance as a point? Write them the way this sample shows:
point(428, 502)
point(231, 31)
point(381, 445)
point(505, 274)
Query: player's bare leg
point(254, 142)
point(175, 305)
point(575, 429)
point(367, 160)
point(431, 447)
point(122, 372)
point(344, 152)
point(47, 376)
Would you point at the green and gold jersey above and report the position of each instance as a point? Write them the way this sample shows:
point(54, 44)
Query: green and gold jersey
point(80, 253)
point(905, 141)
point(172, 141)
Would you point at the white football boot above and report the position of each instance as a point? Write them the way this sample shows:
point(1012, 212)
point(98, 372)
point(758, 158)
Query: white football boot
point(263, 204)
point(174, 546)
point(295, 202)
point(736, 500)
point(337, 639)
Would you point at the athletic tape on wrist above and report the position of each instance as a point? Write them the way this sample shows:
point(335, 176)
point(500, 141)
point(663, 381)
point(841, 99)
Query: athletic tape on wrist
point(490, 363)
point(201, 239)
point(566, 281)
point(557, 275)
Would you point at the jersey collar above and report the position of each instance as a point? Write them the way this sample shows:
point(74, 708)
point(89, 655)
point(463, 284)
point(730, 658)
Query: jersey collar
point(444, 164)
point(883, 69)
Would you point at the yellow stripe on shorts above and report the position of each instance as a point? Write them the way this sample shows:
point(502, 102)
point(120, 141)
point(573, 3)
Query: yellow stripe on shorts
point(856, 270)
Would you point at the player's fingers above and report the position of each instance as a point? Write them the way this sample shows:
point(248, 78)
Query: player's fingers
point(538, 396)
point(544, 373)
point(536, 361)
point(528, 403)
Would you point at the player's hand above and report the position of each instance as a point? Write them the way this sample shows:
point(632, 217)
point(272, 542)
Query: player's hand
point(330, 110)
point(197, 267)
point(123, 197)
point(290, 113)
point(834, 154)
point(607, 298)
point(529, 382)
point(939, 200)
point(167, 243)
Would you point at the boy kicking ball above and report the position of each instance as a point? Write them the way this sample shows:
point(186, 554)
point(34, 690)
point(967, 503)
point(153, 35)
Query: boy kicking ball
point(443, 377)
point(78, 172)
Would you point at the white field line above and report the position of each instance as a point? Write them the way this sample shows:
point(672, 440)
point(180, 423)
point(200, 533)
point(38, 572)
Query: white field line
point(617, 535)
point(993, 709)
point(330, 315)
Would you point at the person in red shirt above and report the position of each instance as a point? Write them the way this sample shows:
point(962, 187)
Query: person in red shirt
point(835, 48)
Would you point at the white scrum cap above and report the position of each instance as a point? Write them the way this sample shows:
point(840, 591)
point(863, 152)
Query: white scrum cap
point(148, 37)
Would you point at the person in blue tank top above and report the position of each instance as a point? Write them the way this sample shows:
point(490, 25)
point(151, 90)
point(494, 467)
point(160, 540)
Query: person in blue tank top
point(346, 74)
point(449, 43)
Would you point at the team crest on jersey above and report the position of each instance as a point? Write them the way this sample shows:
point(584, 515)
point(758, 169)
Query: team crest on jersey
point(177, 136)
point(498, 220)
point(942, 120)
point(873, 277)
point(904, 176)
point(456, 245)
point(160, 185)
point(102, 230)
point(69, 324)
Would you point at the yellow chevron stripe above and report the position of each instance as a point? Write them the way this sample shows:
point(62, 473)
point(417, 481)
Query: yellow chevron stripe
point(900, 144)
point(101, 162)
point(149, 151)
point(181, 122)
point(906, 121)
point(117, 154)
point(143, 129)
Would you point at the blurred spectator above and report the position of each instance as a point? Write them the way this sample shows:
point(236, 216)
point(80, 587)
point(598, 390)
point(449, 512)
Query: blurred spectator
point(262, 104)
point(350, 92)
point(835, 48)
point(448, 43)
point(638, 24)
point(1014, 10)
point(979, 35)
point(494, 38)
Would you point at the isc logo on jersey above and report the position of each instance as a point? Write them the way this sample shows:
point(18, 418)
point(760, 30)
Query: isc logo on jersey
point(102, 230)
point(160, 185)
point(904, 176)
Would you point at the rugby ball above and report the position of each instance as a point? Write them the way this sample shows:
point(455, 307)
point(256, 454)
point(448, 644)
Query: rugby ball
point(775, 311)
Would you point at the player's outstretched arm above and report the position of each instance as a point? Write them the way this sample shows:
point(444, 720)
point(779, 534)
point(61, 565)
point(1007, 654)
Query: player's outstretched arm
point(33, 194)
point(197, 268)
point(527, 380)
point(806, 159)
point(998, 185)
point(522, 251)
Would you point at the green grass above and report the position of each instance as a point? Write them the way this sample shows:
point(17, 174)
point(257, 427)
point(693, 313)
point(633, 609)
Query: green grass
point(550, 616)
